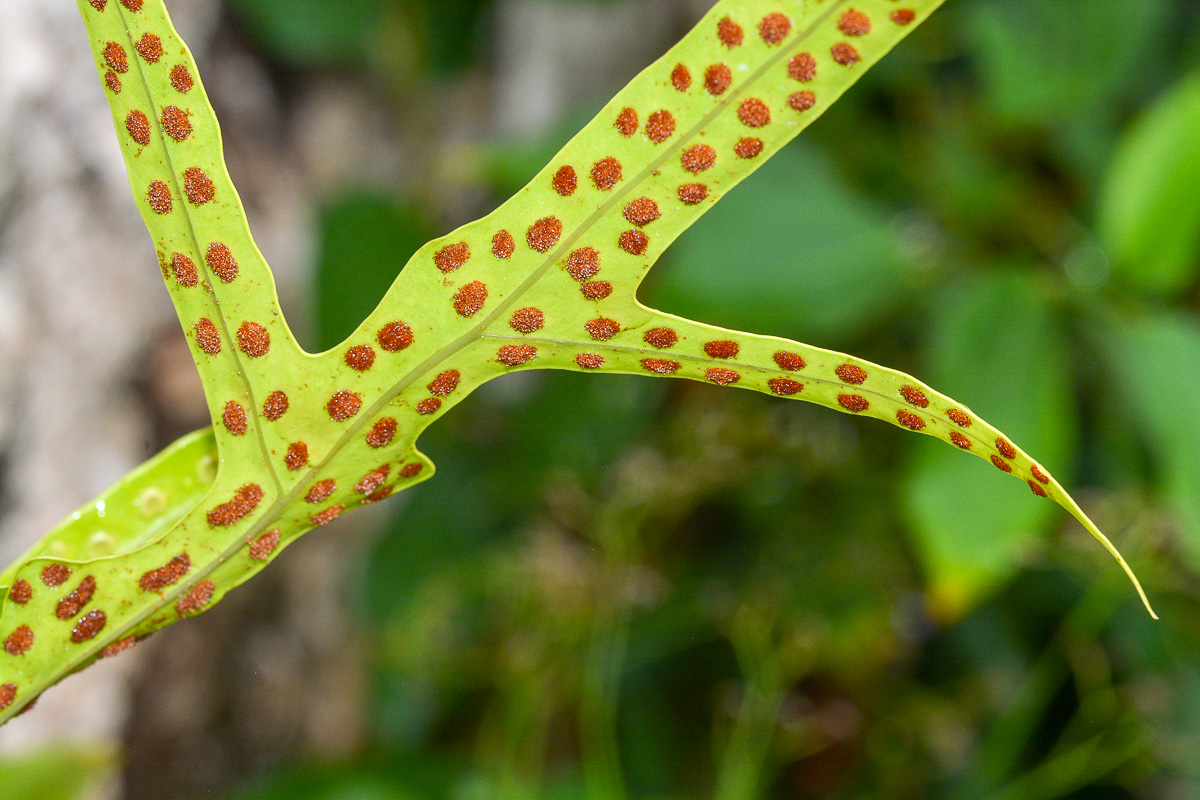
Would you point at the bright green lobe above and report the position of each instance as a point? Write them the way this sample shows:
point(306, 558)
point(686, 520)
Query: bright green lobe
point(549, 280)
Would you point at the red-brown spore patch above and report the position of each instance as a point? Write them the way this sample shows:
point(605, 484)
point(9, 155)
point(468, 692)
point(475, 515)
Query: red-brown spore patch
point(207, 337)
point(606, 173)
point(845, 54)
point(382, 432)
point(659, 126)
point(112, 82)
point(959, 418)
point(722, 348)
point(1038, 490)
point(1001, 464)
point(854, 23)
point(262, 547)
point(275, 406)
point(717, 79)
point(802, 67)
point(220, 260)
point(360, 357)
point(681, 79)
point(150, 48)
point(184, 270)
point(729, 32)
point(801, 101)
point(411, 470)
point(176, 123)
point(445, 383)
point(583, 263)
point(198, 187)
point(692, 194)
point(244, 501)
point(774, 28)
point(849, 373)
point(642, 211)
point(721, 376)
point(1041, 476)
point(698, 158)
point(633, 242)
point(234, 418)
point(914, 396)
point(543, 234)
point(627, 122)
point(327, 516)
point(88, 626)
point(602, 329)
point(512, 355)
point(853, 402)
point(372, 480)
point(960, 440)
point(118, 647)
point(395, 336)
point(382, 493)
point(21, 592)
point(903, 16)
point(527, 320)
point(565, 180)
point(784, 387)
point(253, 339)
point(158, 195)
point(296, 458)
point(114, 56)
point(343, 405)
point(429, 405)
point(910, 420)
point(20, 640)
point(99, 5)
point(589, 360)
point(181, 79)
point(503, 244)
point(138, 126)
point(748, 147)
point(452, 256)
point(1006, 449)
point(167, 575)
point(596, 290)
point(469, 299)
point(132, 5)
point(754, 113)
point(660, 337)
point(790, 361)
point(194, 601)
point(55, 574)
point(661, 366)
point(8, 694)
point(321, 491)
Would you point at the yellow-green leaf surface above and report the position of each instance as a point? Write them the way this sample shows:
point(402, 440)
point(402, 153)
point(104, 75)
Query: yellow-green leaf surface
point(548, 280)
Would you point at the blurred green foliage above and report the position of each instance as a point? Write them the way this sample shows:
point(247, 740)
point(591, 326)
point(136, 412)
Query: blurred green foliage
point(617, 588)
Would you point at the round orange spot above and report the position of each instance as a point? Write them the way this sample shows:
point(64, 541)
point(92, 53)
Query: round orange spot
point(583, 263)
point(802, 67)
point(717, 78)
point(470, 298)
point(112, 82)
point(382, 432)
point(698, 158)
point(395, 336)
point(606, 173)
point(849, 373)
point(903, 16)
point(360, 357)
point(55, 574)
point(275, 406)
point(543, 234)
point(596, 290)
point(959, 418)
point(790, 361)
point(253, 339)
point(660, 338)
point(910, 420)
point(159, 198)
point(176, 123)
point(181, 79)
point(1001, 464)
point(234, 418)
point(327, 516)
point(774, 28)
point(692, 193)
point(262, 547)
point(602, 329)
point(627, 122)
point(20, 640)
point(452, 256)
point(429, 405)
point(1006, 449)
point(503, 244)
point(98, 4)
point(296, 458)
point(527, 320)
point(8, 695)
point(853, 402)
point(445, 383)
point(914, 396)
point(21, 592)
point(748, 147)
point(845, 54)
point(634, 242)
point(132, 5)
point(589, 360)
point(150, 48)
point(854, 23)
point(754, 113)
point(114, 56)
point(721, 349)
point(373, 480)
point(411, 470)
point(512, 355)
point(784, 386)
point(659, 126)
point(960, 440)
point(722, 377)
point(221, 262)
point(88, 626)
point(729, 32)
point(681, 79)
point(565, 180)
point(138, 126)
point(195, 600)
point(662, 366)
point(343, 405)
point(320, 491)
point(207, 337)
point(198, 187)
point(801, 101)
point(642, 211)
point(184, 270)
